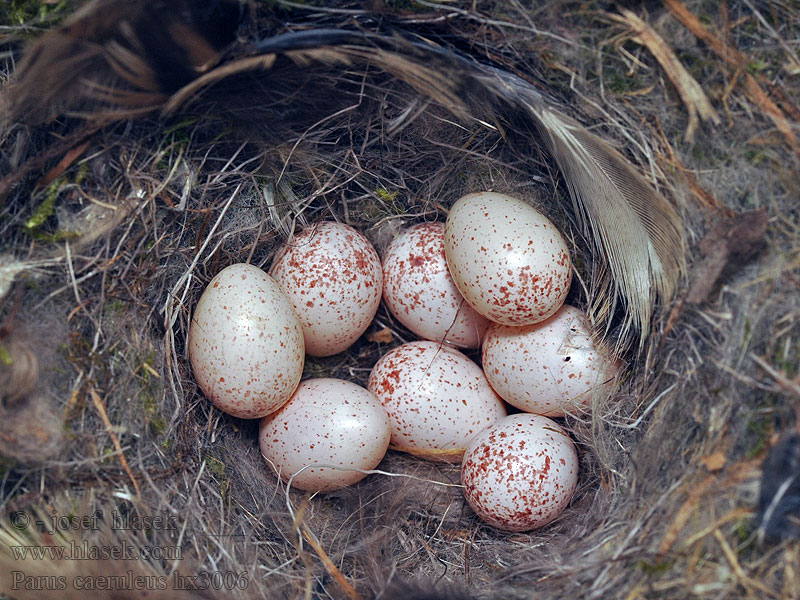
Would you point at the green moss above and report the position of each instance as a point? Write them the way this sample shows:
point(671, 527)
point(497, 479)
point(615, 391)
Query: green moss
point(47, 208)
point(619, 83)
point(386, 195)
point(314, 369)
point(159, 425)
point(83, 171)
point(217, 468)
point(115, 307)
point(653, 568)
point(55, 237)
point(697, 66)
point(33, 286)
point(755, 156)
point(29, 12)
point(6, 464)
point(108, 456)
point(150, 408)
point(384, 203)
point(69, 432)
point(757, 66)
point(5, 356)
point(215, 465)
point(759, 427)
point(35, 224)
point(741, 530)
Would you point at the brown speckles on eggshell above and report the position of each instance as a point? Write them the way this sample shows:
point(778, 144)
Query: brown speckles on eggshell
point(333, 277)
point(521, 473)
point(247, 356)
point(419, 291)
point(520, 272)
point(437, 398)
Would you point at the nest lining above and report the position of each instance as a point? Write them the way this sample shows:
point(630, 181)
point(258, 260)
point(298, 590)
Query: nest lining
point(110, 316)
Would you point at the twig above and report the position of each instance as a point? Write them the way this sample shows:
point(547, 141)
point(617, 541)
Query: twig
point(736, 58)
point(747, 582)
point(792, 386)
point(101, 409)
point(332, 569)
point(691, 93)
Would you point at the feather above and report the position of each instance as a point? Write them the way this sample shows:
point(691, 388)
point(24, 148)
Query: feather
point(634, 227)
point(636, 233)
point(635, 230)
point(148, 48)
point(778, 514)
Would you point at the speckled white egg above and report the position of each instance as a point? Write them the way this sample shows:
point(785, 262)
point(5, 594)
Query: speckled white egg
point(521, 473)
point(326, 422)
point(420, 293)
point(507, 259)
point(332, 275)
point(437, 399)
point(245, 343)
point(549, 368)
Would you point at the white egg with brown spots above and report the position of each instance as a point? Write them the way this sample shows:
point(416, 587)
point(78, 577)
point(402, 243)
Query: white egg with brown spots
point(332, 275)
point(507, 259)
point(549, 368)
point(437, 399)
point(521, 473)
point(421, 294)
point(246, 343)
point(327, 422)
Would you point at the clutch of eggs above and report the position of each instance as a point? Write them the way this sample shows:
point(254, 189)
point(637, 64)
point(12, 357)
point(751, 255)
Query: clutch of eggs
point(496, 273)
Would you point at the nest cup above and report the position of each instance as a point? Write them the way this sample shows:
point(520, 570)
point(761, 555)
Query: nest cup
point(109, 243)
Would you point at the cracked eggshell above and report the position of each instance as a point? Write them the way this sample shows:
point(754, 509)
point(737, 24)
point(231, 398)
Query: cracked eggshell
point(326, 422)
point(437, 399)
point(421, 294)
point(332, 275)
point(521, 473)
point(549, 368)
point(507, 259)
point(245, 343)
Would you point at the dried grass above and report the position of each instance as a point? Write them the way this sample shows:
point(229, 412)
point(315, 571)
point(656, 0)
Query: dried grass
point(129, 228)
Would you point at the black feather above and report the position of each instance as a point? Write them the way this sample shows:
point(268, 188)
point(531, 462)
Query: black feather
point(778, 514)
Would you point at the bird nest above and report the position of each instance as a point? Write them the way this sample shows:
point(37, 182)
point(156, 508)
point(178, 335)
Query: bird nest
point(129, 179)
